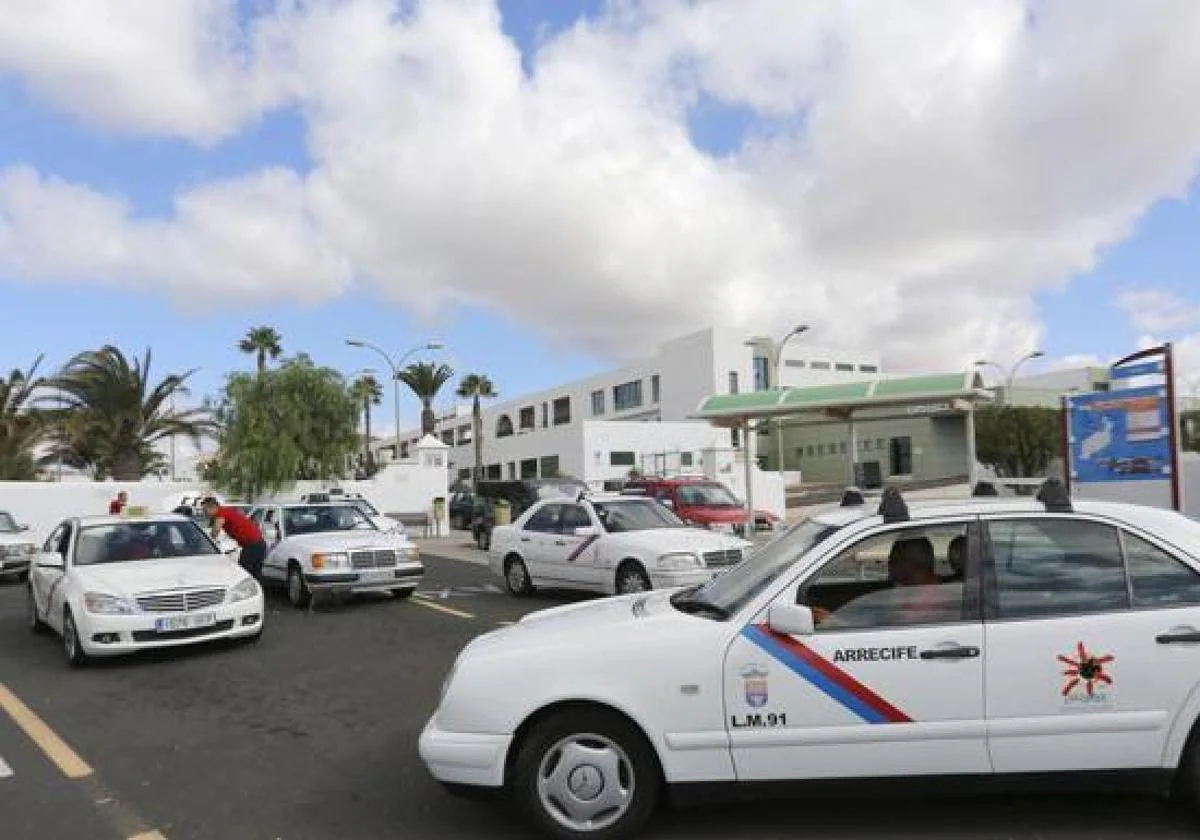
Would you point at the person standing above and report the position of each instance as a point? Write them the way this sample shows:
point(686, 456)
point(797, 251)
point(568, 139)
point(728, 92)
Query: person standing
point(242, 530)
point(117, 505)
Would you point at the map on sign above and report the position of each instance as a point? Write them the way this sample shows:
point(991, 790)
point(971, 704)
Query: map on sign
point(1120, 435)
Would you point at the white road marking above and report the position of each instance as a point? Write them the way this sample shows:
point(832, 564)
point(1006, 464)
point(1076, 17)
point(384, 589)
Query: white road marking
point(5, 770)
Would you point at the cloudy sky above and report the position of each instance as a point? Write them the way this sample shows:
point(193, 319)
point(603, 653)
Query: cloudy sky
point(553, 186)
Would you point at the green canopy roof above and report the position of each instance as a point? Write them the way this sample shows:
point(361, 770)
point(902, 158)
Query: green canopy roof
point(847, 397)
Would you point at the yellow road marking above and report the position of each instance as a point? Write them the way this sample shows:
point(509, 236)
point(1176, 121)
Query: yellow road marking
point(449, 611)
point(149, 835)
point(505, 623)
point(72, 766)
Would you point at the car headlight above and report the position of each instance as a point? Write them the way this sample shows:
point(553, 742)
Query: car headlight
point(102, 604)
point(679, 561)
point(330, 561)
point(409, 553)
point(246, 589)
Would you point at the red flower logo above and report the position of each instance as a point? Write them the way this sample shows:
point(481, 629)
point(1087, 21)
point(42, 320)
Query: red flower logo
point(1087, 669)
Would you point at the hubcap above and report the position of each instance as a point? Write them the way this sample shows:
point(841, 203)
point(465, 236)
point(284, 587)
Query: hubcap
point(585, 782)
point(69, 636)
point(516, 576)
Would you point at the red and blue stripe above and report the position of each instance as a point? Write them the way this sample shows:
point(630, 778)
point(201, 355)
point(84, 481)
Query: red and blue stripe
point(825, 676)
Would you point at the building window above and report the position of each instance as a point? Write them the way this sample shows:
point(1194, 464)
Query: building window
point(809, 450)
point(685, 459)
point(735, 437)
point(842, 447)
point(403, 450)
point(529, 468)
point(867, 445)
point(448, 437)
point(799, 451)
point(621, 459)
point(464, 435)
point(762, 373)
point(545, 415)
point(796, 363)
point(494, 472)
point(527, 418)
point(504, 426)
point(733, 382)
point(869, 368)
point(819, 365)
point(821, 449)
point(880, 444)
point(464, 475)
point(628, 395)
point(842, 366)
point(512, 471)
point(562, 411)
point(597, 403)
point(655, 392)
point(549, 466)
point(900, 456)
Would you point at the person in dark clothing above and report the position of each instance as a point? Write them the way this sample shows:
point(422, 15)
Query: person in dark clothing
point(117, 505)
point(242, 530)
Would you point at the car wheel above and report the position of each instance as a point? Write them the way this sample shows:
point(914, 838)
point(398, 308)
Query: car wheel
point(71, 644)
point(33, 619)
point(587, 773)
point(516, 577)
point(403, 593)
point(631, 577)
point(297, 591)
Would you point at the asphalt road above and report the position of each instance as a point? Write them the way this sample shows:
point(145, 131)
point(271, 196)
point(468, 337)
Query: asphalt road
point(312, 734)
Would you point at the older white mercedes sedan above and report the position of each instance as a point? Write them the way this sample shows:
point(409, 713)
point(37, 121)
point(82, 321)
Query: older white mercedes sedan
point(977, 638)
point(118, 584)
point(334, 547)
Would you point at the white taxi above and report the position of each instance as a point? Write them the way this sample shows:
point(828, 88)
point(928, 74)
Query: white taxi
point(118, 584)
point(16, 547)
point(973, 638)
point(607, 543)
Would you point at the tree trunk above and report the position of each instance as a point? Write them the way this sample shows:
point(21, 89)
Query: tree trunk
point(427, 418)
point(127, 466)
point(367, 418)
point(262, 360)
point(477, 437)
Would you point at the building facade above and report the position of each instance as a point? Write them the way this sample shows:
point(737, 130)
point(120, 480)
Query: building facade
point(635, 417)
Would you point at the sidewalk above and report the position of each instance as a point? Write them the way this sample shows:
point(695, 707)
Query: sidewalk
point(458, 545)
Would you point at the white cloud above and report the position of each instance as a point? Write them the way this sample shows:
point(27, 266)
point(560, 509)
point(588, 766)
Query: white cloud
point(935, 164)
point(1158, 310)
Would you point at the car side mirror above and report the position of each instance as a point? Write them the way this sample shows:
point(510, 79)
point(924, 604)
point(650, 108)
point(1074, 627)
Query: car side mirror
point(50, 560)
point(587, 531)
point(791, 619)
point(22, 528)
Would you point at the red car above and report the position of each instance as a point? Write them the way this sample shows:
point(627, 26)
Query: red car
point(702, 502)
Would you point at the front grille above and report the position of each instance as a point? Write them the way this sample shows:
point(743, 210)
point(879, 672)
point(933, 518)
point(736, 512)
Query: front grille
point(376, 559)
point(727, 557)
point(153, 636)
point(197, 599)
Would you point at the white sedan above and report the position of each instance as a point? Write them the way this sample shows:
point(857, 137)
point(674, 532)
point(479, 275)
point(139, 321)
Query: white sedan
point(609, 543)
point(118, 584)
point(16, 547)
point(334, 547)
point(969, 638)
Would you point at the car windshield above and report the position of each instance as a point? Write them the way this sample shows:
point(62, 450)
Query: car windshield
point(635, 515)
point(705, 495)
point(318, 519)
point(734, 588)
point(8, 525)
point(129, 541)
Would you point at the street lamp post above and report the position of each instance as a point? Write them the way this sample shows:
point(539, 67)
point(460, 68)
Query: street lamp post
point(776, 360)
point(1010, 374)
point(396, 367)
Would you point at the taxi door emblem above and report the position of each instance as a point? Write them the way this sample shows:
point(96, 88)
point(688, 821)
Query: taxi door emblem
point(754, 678)
point(1085, 671)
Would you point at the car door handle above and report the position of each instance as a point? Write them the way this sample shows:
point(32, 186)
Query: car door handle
point(524, 539)
point(957, 652)
point(560, 542)
point(1178, 637)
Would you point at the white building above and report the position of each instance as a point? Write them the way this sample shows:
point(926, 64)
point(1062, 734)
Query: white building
point(634, 417)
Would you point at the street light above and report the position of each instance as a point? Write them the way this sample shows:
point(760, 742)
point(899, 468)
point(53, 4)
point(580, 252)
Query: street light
point(435, 344)
point(776, 359)
point(1010, 374)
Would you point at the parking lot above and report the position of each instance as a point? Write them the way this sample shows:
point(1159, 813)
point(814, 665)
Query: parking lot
point(312, 732)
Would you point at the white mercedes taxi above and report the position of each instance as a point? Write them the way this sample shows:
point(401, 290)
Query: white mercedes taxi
point(16, 547)
point(118, 584)
point(334, 547)
point(607, 543)
point(970, 638)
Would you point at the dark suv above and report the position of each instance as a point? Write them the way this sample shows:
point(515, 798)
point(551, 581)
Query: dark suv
point(519, 494)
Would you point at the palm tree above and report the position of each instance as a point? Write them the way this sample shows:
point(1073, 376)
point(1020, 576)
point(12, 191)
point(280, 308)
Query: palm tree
point(367, 392)
point(477, 386)
point(21, 425)
point(113, 417)
point(425, 379)
point(263, 341)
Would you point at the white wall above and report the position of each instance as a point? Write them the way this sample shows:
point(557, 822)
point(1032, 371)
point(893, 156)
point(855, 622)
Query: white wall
point(398, 488)
point(643, 439)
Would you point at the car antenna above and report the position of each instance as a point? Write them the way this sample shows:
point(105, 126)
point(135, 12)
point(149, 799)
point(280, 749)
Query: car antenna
point(1053, 494)
point(892, 506)
point(985, 488)
point(853, 497)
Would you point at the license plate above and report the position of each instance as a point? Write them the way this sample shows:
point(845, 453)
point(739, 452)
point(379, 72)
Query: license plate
point(377, 574)
point(184, 622)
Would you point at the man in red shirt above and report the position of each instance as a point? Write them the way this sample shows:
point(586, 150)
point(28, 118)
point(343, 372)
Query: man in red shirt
point(118, 504)
point(242, 530)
